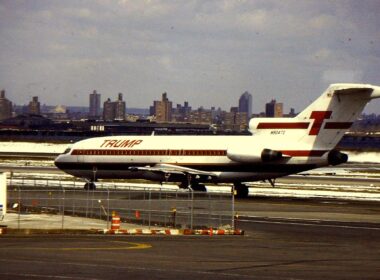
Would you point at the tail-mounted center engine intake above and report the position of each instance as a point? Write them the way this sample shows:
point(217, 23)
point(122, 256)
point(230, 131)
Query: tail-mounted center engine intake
point(335, 157)
point(244, 156)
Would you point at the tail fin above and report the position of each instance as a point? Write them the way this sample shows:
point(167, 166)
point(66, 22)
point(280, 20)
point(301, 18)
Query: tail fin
point(323, 123)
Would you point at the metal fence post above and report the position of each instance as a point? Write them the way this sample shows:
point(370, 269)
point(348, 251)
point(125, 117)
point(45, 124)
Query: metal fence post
point(220, 214)
point(209, 210)
point(19, 208)
point(63, 208)
point(233, 207)
point(87, 194)
point(11, 180)
point(108, 207)
point(92, 211)
point(150, 208)
point(73, 200)
point(192, 209)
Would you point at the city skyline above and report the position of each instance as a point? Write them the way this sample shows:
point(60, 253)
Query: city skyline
point(95, 104)
point(205, 52)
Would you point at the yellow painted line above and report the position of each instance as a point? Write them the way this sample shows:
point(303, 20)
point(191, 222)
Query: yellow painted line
point(130, 246)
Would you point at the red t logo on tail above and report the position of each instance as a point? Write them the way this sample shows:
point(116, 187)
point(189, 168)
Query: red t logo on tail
point(319, 117)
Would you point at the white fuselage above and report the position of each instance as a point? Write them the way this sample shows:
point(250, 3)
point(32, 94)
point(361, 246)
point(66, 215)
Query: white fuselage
point(113, 156)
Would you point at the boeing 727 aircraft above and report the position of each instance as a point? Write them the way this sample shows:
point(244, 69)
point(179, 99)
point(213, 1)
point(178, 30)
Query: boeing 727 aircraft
point(276, 148)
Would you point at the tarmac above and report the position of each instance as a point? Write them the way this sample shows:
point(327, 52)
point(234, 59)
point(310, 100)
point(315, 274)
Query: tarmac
point(272, 247)
point(57, 224)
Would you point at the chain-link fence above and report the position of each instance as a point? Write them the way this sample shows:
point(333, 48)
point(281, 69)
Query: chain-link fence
point(151, 207)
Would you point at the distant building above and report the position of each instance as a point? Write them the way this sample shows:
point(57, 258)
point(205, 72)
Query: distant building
point(201, 116)
point(234, 109)
point(5, 107)
point(274, 109)
point(233, 120)
point(114, 110)
point(34, 106)
point(119, 108)
point(291, 114)
point(94, 112)
point(162, 109)
point(279, 110)
point(108, 113)
point(245, 104)
point(181, 113)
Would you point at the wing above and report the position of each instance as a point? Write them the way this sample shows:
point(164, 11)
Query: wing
point(169, 169)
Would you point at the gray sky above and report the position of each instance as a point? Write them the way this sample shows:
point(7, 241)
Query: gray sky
point(206, 52)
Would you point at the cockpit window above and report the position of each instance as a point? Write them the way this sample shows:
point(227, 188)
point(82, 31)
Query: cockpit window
point(67, 151)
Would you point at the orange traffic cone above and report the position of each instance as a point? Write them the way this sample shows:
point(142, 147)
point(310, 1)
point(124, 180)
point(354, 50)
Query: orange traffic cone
point(115, 223)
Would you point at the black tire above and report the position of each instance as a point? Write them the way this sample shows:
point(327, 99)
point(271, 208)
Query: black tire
point(242, 191)
point(89, 186)
point(198, 187)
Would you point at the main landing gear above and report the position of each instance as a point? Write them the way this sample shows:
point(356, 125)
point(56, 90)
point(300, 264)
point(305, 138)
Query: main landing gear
point(194, 186)
point(89, 186)
point(241, 190)
point(272, 182)
point(197, 187)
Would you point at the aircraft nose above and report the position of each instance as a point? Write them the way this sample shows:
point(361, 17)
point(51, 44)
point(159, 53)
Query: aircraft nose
point(58, 160)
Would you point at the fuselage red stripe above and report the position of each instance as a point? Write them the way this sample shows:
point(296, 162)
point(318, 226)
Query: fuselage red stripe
point(338, 125)
point(135, 152)
point(302, 125)
point(295, 125)
point(129, 152)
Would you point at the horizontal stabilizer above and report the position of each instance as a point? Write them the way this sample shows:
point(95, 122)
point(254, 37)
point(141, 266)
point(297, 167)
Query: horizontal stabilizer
point(364, 91)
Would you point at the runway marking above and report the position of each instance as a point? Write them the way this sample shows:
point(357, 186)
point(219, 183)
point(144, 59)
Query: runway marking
point(130, 246)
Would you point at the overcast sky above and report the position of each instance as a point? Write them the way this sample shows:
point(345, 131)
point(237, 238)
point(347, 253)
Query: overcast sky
point(205, 52)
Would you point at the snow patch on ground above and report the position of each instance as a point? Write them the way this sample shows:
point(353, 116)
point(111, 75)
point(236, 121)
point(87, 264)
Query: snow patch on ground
point(28, 147)
point(363, 157)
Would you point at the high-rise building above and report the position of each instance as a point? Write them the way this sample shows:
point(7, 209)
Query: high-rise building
point(245, 104)
point(163, 109)
point(201, 116)
point(114, 110)
point(94, 112)
point(279, 110)
point(5, 107)
point(234, 120)
point(274, 109)
point(108, 112)
point(34, 106)
point(181, 113)
point(119, 107)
